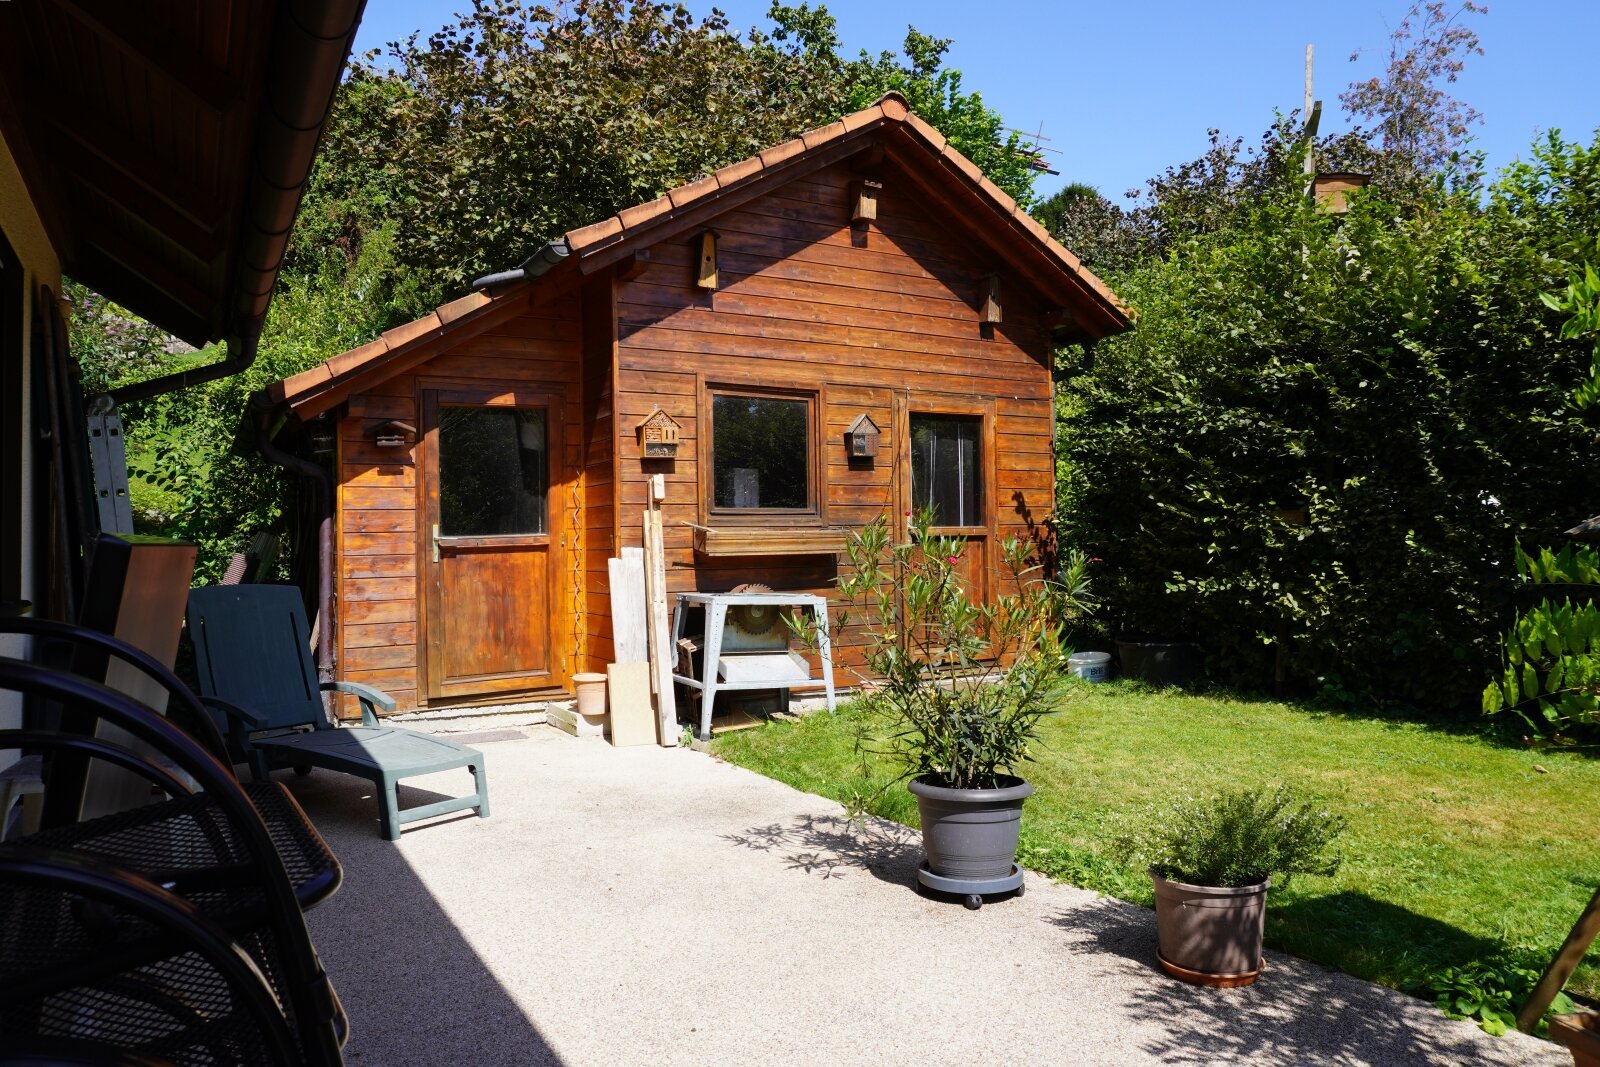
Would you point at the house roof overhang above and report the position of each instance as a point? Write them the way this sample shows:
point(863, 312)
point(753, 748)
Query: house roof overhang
point(886, 129)
point(165, 146)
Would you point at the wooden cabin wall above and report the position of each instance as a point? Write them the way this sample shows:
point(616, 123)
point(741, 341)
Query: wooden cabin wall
point(379, 503)
point(873, 317)
point(599, 487)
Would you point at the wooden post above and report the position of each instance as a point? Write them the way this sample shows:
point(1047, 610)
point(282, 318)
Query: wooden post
point(1567, 958)
point(655, 580)
point(1310, 167)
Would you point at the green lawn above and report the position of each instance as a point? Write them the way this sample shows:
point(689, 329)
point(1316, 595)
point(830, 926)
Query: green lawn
point(1459, 848)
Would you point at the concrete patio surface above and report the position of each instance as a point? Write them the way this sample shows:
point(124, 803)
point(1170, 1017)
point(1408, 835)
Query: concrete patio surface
point(656, 907)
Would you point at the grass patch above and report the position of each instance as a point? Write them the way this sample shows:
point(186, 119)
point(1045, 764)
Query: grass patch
point(1459, 849)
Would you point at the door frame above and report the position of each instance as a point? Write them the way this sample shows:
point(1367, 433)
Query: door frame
point(552, 396)
point(906, 404)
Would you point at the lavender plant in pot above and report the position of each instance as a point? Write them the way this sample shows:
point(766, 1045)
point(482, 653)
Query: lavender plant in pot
point(964, 682)
point(1212, 860)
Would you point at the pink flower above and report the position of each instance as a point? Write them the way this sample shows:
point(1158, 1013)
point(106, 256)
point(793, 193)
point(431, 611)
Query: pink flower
point(955, 559)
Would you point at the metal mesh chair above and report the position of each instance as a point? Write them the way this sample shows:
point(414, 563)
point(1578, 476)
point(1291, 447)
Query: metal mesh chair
point(312, 868)
point(183, 707)
point(100, 966)
point(209, 843)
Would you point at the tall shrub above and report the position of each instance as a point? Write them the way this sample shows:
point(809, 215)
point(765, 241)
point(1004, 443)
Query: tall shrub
point(1319, 445)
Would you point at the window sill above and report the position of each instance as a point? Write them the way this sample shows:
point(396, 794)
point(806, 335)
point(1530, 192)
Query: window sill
point(769, 540)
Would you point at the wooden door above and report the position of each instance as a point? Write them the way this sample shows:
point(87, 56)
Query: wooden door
point(947, 462)
point(491, 541)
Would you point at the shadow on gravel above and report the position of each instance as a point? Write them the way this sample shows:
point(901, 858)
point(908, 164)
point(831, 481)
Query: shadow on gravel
point(827, 846)
point(1297, 1012)
point(416, 990)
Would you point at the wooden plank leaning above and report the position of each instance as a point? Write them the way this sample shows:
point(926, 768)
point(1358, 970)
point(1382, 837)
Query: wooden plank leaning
point(655, 583)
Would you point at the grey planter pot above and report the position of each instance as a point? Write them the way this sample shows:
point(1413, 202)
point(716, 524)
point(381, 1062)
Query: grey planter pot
point(1209, 935)
point(970, 833)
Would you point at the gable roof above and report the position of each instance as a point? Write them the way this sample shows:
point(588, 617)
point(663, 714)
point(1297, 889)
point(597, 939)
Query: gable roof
point(940, 171)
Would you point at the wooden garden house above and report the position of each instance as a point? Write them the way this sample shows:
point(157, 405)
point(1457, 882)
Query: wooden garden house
point(852, 322)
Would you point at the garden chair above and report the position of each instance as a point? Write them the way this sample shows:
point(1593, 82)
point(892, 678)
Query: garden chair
point(209, 844)
point(105, 968)
point(253, 657)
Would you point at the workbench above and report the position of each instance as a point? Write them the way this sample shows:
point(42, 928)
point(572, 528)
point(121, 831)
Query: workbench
point(753, 670)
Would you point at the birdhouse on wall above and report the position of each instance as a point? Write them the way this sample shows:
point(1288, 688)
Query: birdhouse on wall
point(1331, 189)
point(393, 434)
point(861, 439)
point(705, 275)
point(658, 435)
point(864, 200)
point(989, 311)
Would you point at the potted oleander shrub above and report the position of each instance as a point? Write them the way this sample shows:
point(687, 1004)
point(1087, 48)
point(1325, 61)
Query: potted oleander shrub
point(1212, 860)
point(964, 683)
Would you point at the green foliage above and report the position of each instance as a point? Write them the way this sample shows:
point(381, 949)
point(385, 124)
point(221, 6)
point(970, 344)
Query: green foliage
point(1551, 670)
point(935, 94)
point(180, 444)
point(499, 132)
point(1314, 450)
point(1236, 838)
point(111, 344)
point(1458, 849)
point(964, 681)
point(1489, 992)
point(1581, 303)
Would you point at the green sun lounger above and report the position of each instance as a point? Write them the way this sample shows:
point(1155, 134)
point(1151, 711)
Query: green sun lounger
point(253, 657)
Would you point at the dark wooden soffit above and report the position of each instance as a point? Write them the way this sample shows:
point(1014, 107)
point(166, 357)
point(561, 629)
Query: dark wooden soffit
point(165, 143)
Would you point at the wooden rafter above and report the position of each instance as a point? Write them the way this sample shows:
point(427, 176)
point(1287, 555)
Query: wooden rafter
point(157, 273)
point(114, 149)
point(157, 52)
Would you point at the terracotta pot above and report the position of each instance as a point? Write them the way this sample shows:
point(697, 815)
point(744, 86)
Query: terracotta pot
point(1210, 935)
point(970, 833)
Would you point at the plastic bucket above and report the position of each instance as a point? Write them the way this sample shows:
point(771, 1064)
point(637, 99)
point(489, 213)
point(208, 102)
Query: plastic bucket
point(1090, 666)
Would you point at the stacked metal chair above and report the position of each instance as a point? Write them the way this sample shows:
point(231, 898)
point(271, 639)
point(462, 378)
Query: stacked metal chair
point(173, 932)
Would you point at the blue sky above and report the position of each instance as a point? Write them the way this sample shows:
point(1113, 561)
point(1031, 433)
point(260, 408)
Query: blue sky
point(1126, 89)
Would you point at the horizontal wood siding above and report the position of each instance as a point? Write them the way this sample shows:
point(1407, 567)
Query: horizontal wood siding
point(380, 545)
point(599, 514)
point(873, 318)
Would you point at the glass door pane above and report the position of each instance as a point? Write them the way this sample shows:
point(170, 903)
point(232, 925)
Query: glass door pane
point(494, 470)
point(945, 468)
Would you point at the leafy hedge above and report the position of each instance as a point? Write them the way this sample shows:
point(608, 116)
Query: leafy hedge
point(1317, 450)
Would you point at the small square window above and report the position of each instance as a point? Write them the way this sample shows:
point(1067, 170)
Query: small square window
point(760, 453)
point(946, 468)
point(493, 471)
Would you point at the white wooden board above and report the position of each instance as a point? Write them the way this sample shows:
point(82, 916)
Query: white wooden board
point(628, 606)
point(633, 721)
